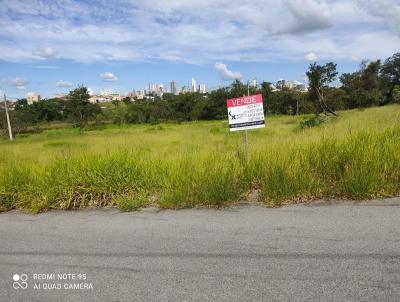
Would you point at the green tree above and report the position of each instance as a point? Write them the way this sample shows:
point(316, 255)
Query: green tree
point(216, 105)
point(267, 93)
point(237, 89)
point(21, 104)
point(79, 108)
point(396, 94)
point(370, 75)
point(363, 88)
point(127, 100)
point(390, 73)
point(336, 98)
point(116, 103)
point(290, 102)
point(319, 78)
point(138, 112)
point(49, 110)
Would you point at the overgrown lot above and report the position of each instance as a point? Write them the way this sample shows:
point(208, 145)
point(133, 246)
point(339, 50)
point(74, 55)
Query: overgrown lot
point(356, 155)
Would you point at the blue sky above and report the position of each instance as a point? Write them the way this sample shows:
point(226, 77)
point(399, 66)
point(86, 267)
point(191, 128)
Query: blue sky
point(51, 47)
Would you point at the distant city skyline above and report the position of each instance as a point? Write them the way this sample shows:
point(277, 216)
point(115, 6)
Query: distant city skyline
point(50, 47)
point(112, 81)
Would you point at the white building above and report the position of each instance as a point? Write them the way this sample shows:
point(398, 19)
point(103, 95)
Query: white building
point(194, 86)
point(32, 98)
point(140, 94)
point(105, 95)
point(153, 90)
point(93, 99)
point(132, 94)
point(172, 87)
point(202, 88)
point(283, 84)
point(160, 90)
point(109, 93)
point(184, 89)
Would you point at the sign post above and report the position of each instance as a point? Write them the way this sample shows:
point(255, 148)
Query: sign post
point(246, 113)
point(246, 140)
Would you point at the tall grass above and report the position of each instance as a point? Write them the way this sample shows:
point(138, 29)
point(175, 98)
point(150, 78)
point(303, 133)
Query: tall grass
point(201, 164)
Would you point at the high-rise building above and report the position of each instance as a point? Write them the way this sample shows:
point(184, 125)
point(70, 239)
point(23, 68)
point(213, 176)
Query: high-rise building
point(131, 94)
point(32, 97)
point(109, 93)
point(172, 87)
point(202, 88)
point(152, 89)
point(140, 94)
point(160, 89)
point(194, 86)
point(280, 84)
point(184, 89)
point(283, 84)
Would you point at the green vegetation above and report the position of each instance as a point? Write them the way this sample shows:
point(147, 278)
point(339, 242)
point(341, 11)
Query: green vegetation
point(178, 155)
point(199, 163)
point(374, 84)
point(80, 109)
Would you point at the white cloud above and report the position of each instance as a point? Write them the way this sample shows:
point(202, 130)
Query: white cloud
point(108, 77)
point(226, 74)
point(46, 53)
point(308, 16)
point(19, 83)
point(387, 11)
point(62, 83)
point(311, 56)
point(188, 31)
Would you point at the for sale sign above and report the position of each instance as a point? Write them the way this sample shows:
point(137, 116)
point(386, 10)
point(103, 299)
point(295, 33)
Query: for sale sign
point(246, 112)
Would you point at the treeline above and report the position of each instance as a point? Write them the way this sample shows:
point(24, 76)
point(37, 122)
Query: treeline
point(25, 116)
point(376, 83)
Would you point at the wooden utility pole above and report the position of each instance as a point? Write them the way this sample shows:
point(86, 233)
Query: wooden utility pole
point(8, 119)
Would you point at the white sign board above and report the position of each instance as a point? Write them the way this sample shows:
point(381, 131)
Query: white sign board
point(246, 112)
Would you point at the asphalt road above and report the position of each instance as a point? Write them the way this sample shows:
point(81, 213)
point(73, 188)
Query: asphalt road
point(337, 252)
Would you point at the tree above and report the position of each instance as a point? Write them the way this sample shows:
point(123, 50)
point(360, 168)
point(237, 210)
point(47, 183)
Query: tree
point(370, 75)
point(319, 78)
point(290, 102)
point(79, 107)
point(364, 87)
point(216, 105)
point(237, 89)
point(336, 98)
point(396, 94)
point(21, 104)
point(266, 91)
point(390, 73)
point(49, 109)
point(127, 100)
point(115, 103)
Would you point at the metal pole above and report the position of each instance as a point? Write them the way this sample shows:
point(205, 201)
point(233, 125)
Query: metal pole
point(8, 119)
point(246, 140)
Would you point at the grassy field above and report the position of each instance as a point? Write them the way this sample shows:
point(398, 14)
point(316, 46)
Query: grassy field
point(356, 155)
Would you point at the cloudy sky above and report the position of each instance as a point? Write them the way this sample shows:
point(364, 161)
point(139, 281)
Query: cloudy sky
point(52, 46)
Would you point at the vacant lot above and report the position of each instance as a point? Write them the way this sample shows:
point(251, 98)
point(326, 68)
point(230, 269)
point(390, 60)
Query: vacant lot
point(356, 155)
